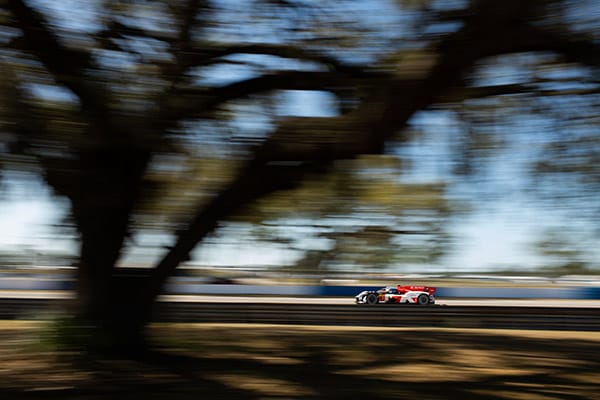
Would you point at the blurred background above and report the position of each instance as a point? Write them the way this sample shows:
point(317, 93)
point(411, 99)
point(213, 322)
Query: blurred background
point(299, 147)
point(492, 170)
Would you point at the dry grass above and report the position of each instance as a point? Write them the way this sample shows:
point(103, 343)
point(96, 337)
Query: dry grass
point(290, 362)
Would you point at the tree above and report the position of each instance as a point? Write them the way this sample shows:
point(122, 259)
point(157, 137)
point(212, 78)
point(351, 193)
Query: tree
point(97, 106)
point(360, 216)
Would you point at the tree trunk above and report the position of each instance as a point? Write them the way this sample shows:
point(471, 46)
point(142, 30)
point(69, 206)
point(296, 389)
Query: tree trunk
point(108, 298)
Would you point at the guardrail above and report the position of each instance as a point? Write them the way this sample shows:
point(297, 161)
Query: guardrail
point(384, 315)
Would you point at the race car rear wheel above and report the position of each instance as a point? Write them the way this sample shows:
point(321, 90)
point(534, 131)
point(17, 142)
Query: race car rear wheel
point(371, 298)
point(423, 299)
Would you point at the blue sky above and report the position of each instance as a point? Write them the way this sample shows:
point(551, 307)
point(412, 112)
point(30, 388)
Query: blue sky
point(28, 214)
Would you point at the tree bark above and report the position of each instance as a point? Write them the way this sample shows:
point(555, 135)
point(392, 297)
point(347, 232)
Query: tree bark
point(108, 298)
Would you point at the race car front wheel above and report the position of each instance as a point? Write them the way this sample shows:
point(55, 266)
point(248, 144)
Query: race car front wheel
point(371, 298)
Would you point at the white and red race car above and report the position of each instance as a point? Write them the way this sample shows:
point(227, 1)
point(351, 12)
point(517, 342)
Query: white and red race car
point(421, 295)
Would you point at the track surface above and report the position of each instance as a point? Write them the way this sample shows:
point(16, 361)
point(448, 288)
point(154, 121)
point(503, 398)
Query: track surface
point(344, 300)
point(575, 303)
point(508, 314)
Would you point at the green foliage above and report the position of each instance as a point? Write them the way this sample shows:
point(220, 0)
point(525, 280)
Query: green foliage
point(66, 334)
point(365, 192)
point(570, 268)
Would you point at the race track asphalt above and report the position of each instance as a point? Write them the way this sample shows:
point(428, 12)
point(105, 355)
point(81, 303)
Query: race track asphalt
point(575, 303)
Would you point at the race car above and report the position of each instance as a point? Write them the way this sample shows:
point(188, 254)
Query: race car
point(422, 295)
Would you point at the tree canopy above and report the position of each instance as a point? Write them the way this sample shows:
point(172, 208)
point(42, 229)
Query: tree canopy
point(180, 115)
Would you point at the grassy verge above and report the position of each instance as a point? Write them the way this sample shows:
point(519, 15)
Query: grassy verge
point(290, 362)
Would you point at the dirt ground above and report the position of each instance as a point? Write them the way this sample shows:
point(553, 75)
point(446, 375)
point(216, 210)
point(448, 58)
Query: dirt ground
point(291, 362)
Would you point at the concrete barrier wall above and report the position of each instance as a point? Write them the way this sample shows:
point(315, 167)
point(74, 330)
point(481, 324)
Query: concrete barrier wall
point(513, 293)
point(35, 284)
point(575, 292)
point(484, 292)
point(284, 290)
point(590, 293)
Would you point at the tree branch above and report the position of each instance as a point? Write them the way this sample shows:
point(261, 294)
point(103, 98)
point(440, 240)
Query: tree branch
point(487, 32)
point(65, 65)
point(116, 29)
point(255, 180)
point(212, 54)
point(191, 102)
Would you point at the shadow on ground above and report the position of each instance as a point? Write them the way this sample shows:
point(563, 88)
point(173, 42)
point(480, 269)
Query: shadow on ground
point(284, 362)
